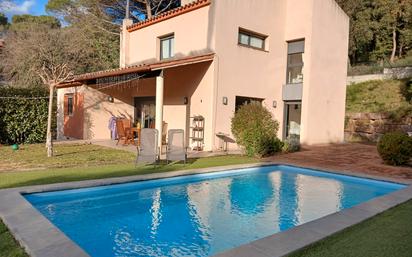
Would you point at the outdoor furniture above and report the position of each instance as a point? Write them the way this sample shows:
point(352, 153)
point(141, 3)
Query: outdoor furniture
point(176, 149)
point(148, 150)
point(138, 133)
point(123, 127)
point(226, 140)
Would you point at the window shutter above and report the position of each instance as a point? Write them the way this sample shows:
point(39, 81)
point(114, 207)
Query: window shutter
point(65, 106)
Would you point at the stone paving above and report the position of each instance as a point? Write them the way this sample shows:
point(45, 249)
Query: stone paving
point(353, 158)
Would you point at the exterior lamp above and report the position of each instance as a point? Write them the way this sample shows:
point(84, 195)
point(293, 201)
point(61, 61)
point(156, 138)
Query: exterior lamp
point(224, 100)
point(110, 99)
point(275, 104)
point(185, 100)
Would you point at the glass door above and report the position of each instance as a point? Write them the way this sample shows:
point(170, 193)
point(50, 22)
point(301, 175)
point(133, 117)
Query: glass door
point(145, 111)
point(293, 119)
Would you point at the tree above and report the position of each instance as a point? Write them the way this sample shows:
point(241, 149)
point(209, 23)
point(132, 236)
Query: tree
point(49, 21)
point(392, 16)
point(54, 56)
point(107, 15)
point(379, 29)
point(3, 19)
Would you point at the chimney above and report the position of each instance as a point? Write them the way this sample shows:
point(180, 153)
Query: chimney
point(124, 38)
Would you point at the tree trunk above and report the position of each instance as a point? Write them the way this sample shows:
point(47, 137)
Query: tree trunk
point(400, 51)
point(49, 140)
point(148, 9)
point(393, 45)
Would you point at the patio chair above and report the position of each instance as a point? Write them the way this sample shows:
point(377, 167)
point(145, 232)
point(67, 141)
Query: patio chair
point(124, 133)
point(148, 151)
point(176, 149)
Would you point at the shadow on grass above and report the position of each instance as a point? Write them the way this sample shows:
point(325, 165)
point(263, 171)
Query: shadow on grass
point(77, 175)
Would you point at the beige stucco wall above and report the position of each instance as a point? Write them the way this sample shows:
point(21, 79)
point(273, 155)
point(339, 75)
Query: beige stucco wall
point(324, 92)
point(254, 73)
point(245, 71)
point(191, 31)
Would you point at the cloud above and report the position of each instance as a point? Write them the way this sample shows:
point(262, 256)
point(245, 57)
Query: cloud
point(11, 7)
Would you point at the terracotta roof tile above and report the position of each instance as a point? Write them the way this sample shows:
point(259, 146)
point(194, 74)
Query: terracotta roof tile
point(169, 14)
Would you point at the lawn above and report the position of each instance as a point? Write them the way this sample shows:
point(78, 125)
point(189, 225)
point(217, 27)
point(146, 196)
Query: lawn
point(385, 235)
point(30, 157)
point(8, 246)
point(39, 177)
point(391, 96)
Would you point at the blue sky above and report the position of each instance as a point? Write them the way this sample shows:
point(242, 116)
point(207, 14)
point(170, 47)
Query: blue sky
point(12, 7)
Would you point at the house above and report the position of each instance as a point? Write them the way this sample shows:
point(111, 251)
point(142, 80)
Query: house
point(191, 67)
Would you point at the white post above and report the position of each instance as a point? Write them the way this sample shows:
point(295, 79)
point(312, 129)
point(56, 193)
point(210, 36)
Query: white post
point(159, 107)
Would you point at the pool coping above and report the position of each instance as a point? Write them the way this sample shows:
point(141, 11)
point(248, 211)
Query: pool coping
point(40, 238)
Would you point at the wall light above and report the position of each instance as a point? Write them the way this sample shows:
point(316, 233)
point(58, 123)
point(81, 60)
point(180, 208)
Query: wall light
point(185, 100)
point(225, 100)
point(275, 104)
point(110, 99)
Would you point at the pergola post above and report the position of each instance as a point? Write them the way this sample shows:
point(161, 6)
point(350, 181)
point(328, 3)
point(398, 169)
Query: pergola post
point(159, 107)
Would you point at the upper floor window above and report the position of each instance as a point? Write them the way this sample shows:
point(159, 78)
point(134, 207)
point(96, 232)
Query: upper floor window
point(296, 50)
point(167, 47)
point(251, 39)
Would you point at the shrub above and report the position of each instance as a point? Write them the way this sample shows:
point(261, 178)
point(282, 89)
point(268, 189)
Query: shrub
point(23, 115)
point(291, 144)
point(256, 130)
point(395, 148)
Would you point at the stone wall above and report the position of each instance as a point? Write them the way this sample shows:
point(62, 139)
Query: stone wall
point(388, 73)
point(371, 126)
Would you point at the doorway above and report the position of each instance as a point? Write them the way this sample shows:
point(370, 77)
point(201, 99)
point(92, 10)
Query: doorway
point(293, 111)
point(145, 111)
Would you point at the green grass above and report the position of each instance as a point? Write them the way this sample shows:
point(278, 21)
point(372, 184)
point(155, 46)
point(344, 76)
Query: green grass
point(8, 246)
point(379, 96)
point(386, 235)
point(16, 179)
point(30, 157)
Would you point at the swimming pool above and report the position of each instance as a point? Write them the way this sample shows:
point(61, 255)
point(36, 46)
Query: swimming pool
point(200, 215)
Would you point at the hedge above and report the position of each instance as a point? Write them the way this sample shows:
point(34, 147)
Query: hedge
point(23, 115)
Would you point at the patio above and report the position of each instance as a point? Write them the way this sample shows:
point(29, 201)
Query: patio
point(349, 158)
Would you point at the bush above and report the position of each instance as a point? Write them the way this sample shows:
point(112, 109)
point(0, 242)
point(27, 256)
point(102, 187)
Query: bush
point(291, 144)
point(23, 115)
point(395, 148)
point(256, 130)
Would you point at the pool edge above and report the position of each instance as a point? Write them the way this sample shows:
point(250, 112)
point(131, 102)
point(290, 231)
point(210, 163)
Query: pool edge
point(40, 238)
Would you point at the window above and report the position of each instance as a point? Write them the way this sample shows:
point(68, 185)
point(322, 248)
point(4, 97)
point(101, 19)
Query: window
point(167, 47)
point(70, 105)
point(251, 39)
point(242, 100)
point(295, 62)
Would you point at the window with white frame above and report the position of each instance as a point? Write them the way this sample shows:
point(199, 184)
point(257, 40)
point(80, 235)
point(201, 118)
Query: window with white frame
point(167, 47)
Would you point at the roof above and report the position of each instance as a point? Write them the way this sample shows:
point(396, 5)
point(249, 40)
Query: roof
point(78, 80)
point(169, 14)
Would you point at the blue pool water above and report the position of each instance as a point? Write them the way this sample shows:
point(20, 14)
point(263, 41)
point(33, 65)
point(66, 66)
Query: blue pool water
point(200, 215)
